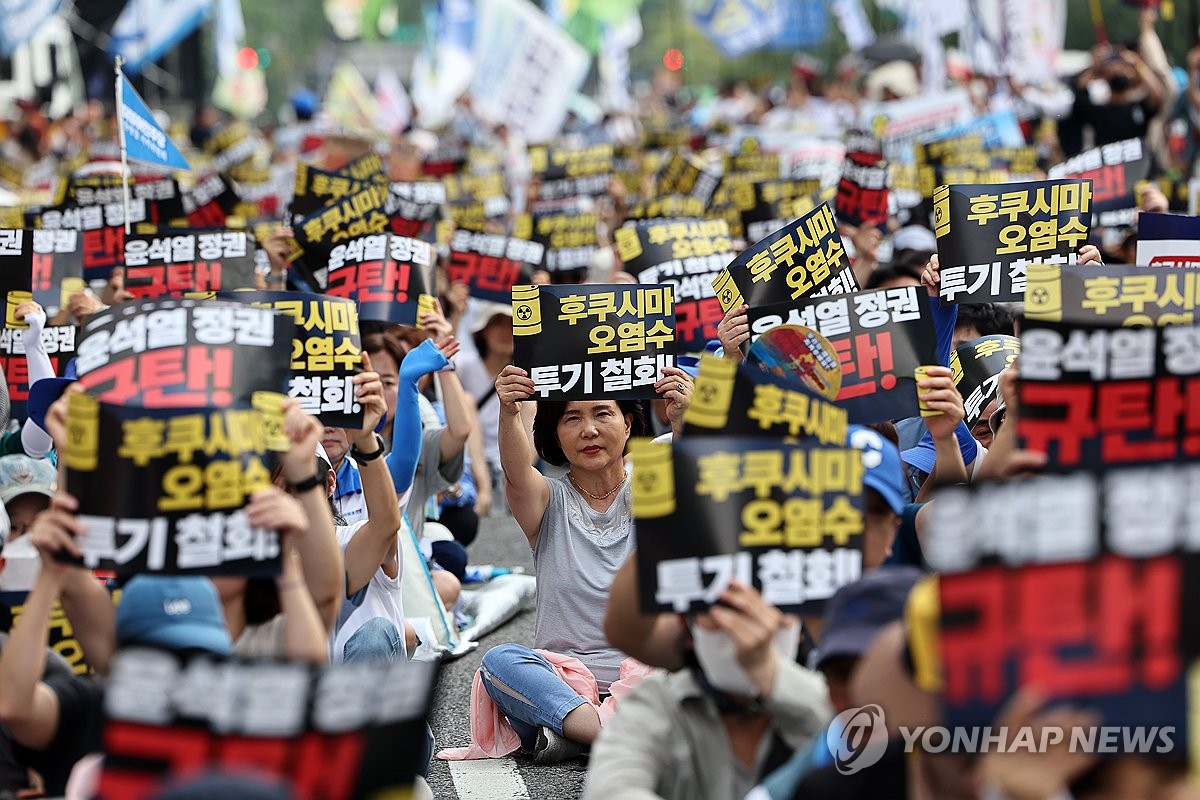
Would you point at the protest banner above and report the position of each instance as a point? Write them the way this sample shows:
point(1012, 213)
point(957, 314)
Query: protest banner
point(862, 193)
point(491, 264)
point(733, 399)
point(391, 278)
point(41, 265)
point(596, 341)
point(568, 233)
point(687, 254)
point(786, 519)
point(1168, 240)
point(1121, 296)
point(1035, 585)
point(737, 27)
point(527, 68)
point(347, 732)
point(880, 337)
point(976, 366)
point(1114, 170)
point(902, 123)
point(59, 343)
point(326, 352)
point(812, 258)
point(163, 490)
point(754, 165)
point(171, 263)
point(1094, 395)
point(161, 192)
point(231, 145)
point(989, 234)
point(183, 353)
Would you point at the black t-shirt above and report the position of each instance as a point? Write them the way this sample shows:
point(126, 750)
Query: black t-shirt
point(80, 726)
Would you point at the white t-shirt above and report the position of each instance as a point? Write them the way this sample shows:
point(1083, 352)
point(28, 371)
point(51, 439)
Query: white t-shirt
point(381, 597)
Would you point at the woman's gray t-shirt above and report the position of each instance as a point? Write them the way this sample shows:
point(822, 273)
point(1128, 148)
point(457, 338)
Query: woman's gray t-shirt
point(578, 552)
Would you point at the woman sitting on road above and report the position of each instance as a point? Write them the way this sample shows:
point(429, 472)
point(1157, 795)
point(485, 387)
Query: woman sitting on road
point(581, 530)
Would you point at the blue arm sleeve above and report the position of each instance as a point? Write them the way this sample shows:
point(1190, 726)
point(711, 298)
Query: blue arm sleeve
point(944, 319)
point(406, 427)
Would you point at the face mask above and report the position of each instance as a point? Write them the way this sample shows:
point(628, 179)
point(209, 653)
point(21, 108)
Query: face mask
point(717, 655)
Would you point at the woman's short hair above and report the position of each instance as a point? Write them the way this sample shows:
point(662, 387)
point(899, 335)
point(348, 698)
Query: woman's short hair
point(550, 412)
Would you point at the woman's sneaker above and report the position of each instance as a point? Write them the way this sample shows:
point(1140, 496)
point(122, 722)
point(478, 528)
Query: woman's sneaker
point(550, 748)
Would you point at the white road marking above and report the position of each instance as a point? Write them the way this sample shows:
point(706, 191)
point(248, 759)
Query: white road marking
point(488, 779)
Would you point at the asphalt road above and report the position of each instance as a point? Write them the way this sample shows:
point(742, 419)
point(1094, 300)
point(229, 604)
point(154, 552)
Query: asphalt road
point(500, 542)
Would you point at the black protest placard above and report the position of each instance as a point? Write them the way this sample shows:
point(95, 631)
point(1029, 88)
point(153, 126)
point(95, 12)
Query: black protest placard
point(164, 490)
point(412, 205)
point(1035, 580)
point(491, 264)
point(211, 202)
point(41, 265)
point(805, 258)
point(733, 399)
point(784, 518)
point(184, 353)
point(976, 366)
point(571, 172)
point(596, 341)
point(317, 188)
point(778, 203)
point(556, 163)
point(101, 230)
point(1095, 395)
point(862, 193)
point(569, 234)
point(230, 146)
point(347, 732)
point(326, 352)
point(687, 254)
point(988, 235)
point(172, 263)
point(357, 214)
point(62, 638)
point(1116, 295)
point(880, 336)
point(687, 176)
point(1114, 170)
point(59, 343)
point(391, 278)
point(161, 193)
point(476, 199)
point(671, 205)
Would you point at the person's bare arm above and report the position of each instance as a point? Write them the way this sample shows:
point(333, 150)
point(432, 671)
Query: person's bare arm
point(375, 542)
point(316, 544)
point(27, 706)
point(527, 491)
point(458, 417)
point(479, 468)
point(305, 637)
point(654, 639)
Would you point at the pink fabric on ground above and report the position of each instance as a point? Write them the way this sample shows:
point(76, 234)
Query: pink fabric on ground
point(493, 737)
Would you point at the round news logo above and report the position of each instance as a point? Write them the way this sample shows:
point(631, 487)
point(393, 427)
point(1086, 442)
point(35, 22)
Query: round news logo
point(857, 738)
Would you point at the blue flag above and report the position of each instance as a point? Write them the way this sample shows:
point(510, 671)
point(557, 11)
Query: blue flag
point(144, 140)
point(21, 19)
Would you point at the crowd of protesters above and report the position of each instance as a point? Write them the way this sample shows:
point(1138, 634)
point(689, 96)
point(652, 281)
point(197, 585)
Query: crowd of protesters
point(736, 701)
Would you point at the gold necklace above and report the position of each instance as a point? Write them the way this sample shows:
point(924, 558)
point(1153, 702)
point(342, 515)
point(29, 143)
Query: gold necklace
point(604, 496)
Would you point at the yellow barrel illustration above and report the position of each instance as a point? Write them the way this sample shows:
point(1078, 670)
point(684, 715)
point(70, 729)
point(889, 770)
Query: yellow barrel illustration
point(1043, 292)
point(527, 310)
point(83, 432)
point(714, 393)
point(270, 405)
point(653, 478)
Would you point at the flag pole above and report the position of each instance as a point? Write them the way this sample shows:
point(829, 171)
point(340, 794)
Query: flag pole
point(118, 62)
